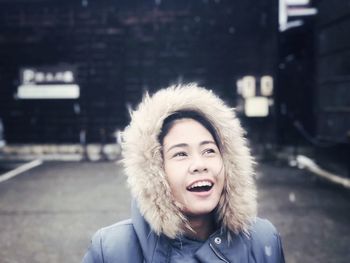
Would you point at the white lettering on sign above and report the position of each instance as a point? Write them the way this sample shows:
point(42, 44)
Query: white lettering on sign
point(248, 87)
point(31, 76)
point(266, 85)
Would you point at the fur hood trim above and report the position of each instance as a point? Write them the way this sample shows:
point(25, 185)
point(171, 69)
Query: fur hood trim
point(143, 162)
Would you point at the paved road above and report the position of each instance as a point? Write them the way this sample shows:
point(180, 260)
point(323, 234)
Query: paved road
point(48, 214)
point(312, 216)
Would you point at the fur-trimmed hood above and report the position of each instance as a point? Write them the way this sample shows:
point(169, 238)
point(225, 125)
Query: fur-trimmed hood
point(143, 162)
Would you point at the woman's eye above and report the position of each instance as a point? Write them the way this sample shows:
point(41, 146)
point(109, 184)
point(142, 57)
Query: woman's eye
point(180, 154)
point(209, 151)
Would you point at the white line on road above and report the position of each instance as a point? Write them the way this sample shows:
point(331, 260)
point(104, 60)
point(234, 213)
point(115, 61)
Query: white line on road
point(19, 170)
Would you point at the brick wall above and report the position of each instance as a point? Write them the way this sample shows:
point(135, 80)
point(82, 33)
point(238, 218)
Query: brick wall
point(121, 49)
point(333, 71)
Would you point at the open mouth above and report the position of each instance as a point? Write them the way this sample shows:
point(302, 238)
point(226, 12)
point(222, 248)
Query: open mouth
point(200, 186)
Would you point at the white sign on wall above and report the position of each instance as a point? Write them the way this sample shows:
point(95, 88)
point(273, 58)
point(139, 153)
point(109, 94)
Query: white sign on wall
point(256, 95)
point(52, 82)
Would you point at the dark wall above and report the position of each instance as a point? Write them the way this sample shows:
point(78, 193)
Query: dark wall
point(296, 83)
point(333, 71)
point(49, 34)
point(121, 49)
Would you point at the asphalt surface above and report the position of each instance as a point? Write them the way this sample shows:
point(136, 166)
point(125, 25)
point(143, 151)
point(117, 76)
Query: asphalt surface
point(49, 213)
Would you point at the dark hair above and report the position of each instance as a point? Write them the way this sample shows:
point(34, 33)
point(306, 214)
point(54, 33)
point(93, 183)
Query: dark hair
point(187, 114)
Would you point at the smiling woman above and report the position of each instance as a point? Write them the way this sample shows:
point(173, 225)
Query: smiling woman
point(190, 173)
point(194, 169)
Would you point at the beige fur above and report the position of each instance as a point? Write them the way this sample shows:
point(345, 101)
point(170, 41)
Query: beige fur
point(143, 161)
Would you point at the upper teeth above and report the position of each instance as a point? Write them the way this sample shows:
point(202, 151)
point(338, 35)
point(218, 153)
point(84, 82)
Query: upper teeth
point(200, 184)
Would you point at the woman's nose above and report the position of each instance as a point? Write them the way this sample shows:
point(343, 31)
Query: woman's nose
point(198, 165)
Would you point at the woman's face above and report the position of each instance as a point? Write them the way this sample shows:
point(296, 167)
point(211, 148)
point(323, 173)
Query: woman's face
point(193, 166)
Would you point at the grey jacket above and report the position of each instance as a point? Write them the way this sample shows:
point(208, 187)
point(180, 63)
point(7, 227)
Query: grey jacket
point(155, 232)
point(133, 241)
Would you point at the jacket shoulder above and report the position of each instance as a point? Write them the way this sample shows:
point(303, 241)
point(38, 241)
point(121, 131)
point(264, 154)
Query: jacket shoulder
point(114, 243)
point(262, 229)
point(266, 242)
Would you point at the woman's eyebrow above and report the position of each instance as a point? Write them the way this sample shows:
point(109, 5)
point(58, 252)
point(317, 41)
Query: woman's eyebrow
point(186, 145)
point(207, 142)
point(177, 145)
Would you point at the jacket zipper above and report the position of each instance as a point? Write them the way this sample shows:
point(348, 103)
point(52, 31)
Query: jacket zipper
point(217, 253)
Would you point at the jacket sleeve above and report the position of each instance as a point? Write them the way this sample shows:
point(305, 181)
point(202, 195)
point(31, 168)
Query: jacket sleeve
point(115, 243)
point(280, 249)
point(266, 243)
point(94, 253)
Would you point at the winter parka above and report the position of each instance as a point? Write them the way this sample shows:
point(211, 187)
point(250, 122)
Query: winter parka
point(156, 231)
point(134, 241)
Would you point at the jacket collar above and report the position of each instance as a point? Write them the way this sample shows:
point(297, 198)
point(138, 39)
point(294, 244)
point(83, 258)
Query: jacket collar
point(157, 248)
point(218, 246)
